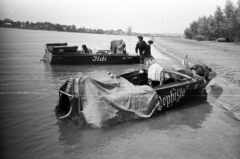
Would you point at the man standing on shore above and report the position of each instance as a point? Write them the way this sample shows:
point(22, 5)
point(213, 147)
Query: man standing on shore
point(141, 46)
point(148, 58)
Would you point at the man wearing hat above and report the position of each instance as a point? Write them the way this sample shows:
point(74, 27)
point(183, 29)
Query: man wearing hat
point(141, 46)
point(148, 58)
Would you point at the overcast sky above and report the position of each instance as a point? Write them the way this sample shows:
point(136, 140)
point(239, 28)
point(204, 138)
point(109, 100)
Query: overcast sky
point(145, 16)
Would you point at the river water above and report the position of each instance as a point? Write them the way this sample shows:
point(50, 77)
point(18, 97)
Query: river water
point(30, 129)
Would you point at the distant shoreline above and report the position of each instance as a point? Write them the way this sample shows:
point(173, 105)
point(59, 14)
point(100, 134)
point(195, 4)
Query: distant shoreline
point(8, 23)
point(59, 31)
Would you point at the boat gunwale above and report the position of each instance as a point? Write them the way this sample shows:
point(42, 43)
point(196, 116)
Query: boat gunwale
point(79, 54)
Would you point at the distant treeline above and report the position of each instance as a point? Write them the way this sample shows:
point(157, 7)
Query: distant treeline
point(66, 28)
point(223, 24)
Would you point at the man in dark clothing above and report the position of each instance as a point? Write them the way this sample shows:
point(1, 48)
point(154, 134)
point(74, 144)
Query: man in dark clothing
point(141, 46)
point(148, 58)
point(147, 51)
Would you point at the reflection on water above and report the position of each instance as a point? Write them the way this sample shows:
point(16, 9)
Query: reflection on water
point(192, 115)
point(215, 93)
point(59, 71)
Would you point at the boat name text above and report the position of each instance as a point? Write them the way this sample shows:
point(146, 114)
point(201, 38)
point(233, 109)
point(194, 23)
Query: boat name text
point(175, 95)
point(99, 58)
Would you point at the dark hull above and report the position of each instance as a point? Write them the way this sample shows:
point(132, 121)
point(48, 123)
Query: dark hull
point(84, 59)
point(179, 94)
point(171, 94)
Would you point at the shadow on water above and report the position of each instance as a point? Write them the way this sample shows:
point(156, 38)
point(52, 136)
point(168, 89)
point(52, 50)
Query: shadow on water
point(59, 72)
point(215, 93)
point(192, 114)
point(214, 90)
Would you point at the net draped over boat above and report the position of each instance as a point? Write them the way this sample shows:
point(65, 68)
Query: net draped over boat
point(111, 101)
point(118, 47)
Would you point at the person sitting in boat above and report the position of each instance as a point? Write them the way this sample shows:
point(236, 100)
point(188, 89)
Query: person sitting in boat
point(155, 75)
point(86, 50)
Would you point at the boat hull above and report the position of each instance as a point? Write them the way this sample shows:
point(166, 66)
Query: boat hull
point(84, 59)
point(61, 53)
point(179, 94)
point(171, 94)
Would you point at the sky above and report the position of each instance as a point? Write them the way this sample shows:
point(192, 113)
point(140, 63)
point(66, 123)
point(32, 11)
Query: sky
point(144, 16)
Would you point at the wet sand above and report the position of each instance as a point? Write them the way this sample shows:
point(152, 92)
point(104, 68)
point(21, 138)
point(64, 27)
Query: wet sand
point(220, 132)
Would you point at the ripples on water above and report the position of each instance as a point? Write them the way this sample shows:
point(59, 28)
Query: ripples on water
point(29, 93)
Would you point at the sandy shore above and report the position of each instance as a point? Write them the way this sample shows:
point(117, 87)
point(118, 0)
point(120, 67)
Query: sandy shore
point(223, 58)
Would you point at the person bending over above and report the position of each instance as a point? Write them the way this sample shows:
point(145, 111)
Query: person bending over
point(202, 70)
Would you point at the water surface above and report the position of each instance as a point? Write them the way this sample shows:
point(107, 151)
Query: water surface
point(30, 129)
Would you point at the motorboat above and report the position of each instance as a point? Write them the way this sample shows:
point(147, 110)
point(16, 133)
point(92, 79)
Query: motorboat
point(61, 53)
point(130, 95)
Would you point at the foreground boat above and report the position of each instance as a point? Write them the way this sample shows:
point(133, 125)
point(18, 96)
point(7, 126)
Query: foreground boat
point(61, 53)
point(120, 98)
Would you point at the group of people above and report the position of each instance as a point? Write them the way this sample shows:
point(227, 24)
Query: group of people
point(144, 51)
point(197, 70)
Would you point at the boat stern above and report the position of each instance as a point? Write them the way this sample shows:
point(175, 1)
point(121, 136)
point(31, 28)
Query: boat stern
point(49, 51)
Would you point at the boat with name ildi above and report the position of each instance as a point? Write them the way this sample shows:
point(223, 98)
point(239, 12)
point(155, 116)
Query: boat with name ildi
point(61, 53)
point(136, 94)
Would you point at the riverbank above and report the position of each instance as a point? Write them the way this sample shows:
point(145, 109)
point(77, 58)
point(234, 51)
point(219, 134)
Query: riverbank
point(223, 58)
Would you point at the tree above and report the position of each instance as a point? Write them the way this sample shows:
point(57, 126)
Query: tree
point(8, 21)
point(211, 28)
point(1, 22)
point(73, 28)
point(237, 13)
point(18, 24)
point(100, 31)
point(188, 33)
point(120, 31)
point(231, 21)
point(194, 29)
point(202, 28)
point(219, 22)
point(58, 27)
